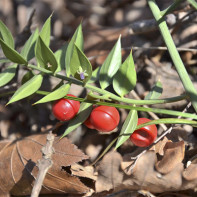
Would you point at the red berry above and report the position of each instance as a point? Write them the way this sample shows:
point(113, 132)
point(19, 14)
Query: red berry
point(65, 109)
point(88, 124)
point(104, 118)
point(144, 136)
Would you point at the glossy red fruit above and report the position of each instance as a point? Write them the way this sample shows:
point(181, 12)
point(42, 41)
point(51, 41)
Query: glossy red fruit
point(144, 136)
point(104, 118)
point(65, 109)
point(88, 124)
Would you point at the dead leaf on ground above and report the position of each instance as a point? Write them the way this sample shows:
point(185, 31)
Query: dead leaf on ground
point(145, 176)
point(18, 166)
point(173, 155)
point(109, 172)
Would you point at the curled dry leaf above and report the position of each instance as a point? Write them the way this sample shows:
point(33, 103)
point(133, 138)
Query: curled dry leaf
point(109, 173)
point(173, 155)
point(145, 176)
point(18, 166)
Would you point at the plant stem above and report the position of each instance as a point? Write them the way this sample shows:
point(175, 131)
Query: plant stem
point(187, 83)
point(129, 107)
point(111, 95)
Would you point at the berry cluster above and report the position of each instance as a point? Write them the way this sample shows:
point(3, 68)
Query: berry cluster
point(104, 119)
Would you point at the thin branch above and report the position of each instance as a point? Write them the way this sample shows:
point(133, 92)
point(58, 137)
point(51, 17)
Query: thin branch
point(44, 164)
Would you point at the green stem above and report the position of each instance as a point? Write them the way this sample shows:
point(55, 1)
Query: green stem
point(111, 95)
point(168, 121)
point(187, 83)
point(154, 110)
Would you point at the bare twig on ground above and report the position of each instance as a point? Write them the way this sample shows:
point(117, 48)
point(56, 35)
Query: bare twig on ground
point(44, 164)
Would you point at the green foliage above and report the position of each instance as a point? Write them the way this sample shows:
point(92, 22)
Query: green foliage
point(45, 56)
point(155, 92)
point(125, 79)
point(6, 35)
point(193, 3)
point(83, 114)
point(27, 89)
point(8, 74)
point(28, 50)
point(27, 77)
point(12, 54)
point(110, 66)
point(128, 127)
point(56, 94)
point(45, 32)
point(60, 56)
point(80, 63)
point(77, 40)
point(95, 75)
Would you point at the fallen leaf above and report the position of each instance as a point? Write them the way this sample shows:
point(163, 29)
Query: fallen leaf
point(145, 176)
point(19, 158)
point(109, 173)
point(173, 155)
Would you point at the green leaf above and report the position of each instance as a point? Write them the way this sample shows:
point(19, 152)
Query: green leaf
point(83, 114)
point(4, 60)
point(60, 57)
point(45, 56)
point(7, 75)
point(125, 79)
point(80, 63)
point(45, 32)
point(95, 75)
point(129, 126)
point(27, 89)
point(28, 50)
point(155, 92)
point(12, 54)
point(27, 77)
point(110, 66)
point(55, 95)
point(78, 40)
point(6, 35)
point(193, 3)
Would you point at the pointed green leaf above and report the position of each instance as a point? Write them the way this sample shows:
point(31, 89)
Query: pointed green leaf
point(78, 40)
point(80, 63)
point(110, 66)
point(4, 60)
point(28, 50)
point(193, 3)
point(61, 57)
point(45, 56)
point(45, 32)
point(83, 114)
point(7, 75)
point(27, 77)
point(55, 95)
point(12, 54)
point(27, 89)
point(125, 79)
point(6, 35)
point(155, 92)
point(95, 75)
point(128, 127)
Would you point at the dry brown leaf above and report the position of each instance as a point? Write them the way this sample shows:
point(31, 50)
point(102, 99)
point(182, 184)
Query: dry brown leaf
point(109, 173)
point(173, 155)
point(145, 177)
point(18, 166)
point(80, 171)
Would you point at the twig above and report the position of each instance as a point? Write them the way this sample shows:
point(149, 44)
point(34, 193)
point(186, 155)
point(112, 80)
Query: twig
point(44, 164)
